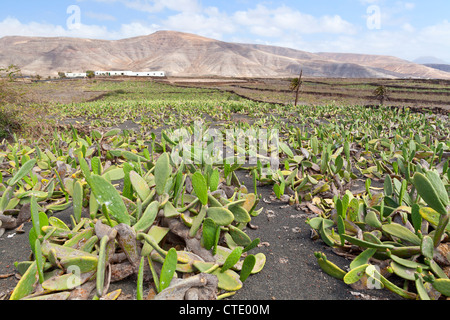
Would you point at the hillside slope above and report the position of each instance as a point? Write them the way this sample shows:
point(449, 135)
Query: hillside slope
point(183, 54)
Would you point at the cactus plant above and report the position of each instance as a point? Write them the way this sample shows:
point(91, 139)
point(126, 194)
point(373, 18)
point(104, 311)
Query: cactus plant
point(322, 160)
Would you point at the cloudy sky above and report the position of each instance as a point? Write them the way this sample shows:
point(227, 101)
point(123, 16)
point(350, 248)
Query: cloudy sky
point(406, 29)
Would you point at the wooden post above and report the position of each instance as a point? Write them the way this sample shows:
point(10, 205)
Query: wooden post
point(298, 87)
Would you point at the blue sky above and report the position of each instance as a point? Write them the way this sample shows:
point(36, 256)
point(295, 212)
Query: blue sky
point(406, 29)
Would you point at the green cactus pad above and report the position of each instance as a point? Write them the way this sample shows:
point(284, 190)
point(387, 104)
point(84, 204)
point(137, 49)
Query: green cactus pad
point(200, 187)
point(168, 269)
point(221, 216)
point(148, 217)
point(443, 286)
point(232, 259)
point(139, 185)
point(328, 267)
point(162, 171)
point(432, 216)
point(355, 274)
point(247, 267)
point(401, 232)
point(430, 193)
point(107, 195)
point(228, 280)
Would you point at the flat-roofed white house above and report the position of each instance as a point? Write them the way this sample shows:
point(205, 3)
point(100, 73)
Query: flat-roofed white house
point(76, 75)
point(119, 73)
point(131, 73)
point(151, 74)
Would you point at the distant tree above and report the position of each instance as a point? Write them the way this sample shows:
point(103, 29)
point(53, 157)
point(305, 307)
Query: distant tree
point(296, 85)
point(90, 74)
point(10, 117)
point(382, 94)
point(61, 75)
point(10, 72)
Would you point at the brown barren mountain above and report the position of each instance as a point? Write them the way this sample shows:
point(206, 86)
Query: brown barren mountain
point(183, 54)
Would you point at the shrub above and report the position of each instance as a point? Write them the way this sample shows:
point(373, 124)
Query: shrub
point(90, 74)
point(16, 114)
point(381, 93)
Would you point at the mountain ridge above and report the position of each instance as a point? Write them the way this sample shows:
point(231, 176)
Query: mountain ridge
point(442, 67)
point(185, 54)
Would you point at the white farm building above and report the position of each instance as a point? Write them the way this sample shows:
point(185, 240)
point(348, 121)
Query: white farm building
point(130, 73)
point(76, 75)
point(149, 74)
point(113, 73)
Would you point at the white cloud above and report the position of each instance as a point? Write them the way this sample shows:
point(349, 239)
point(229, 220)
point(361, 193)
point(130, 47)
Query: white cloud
point(283, 25)
point(13, 27)
point(264, 21)
point(209, 23)
point(409, 5)
point(134, 29)
point(259, 21)
point(406, 42)
point(408, 28)
point(438, 32)
point(405, 5)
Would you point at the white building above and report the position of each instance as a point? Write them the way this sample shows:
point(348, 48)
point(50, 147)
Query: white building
point(119, 73)
point(131, 73)
point(76, 75)
point(150, 74)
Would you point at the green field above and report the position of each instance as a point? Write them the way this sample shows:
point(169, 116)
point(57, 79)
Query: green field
point(375, 180)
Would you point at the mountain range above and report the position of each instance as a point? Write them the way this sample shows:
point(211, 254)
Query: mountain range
point(189, 55)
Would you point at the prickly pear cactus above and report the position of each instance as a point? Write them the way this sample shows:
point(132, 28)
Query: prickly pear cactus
point(118, 232)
